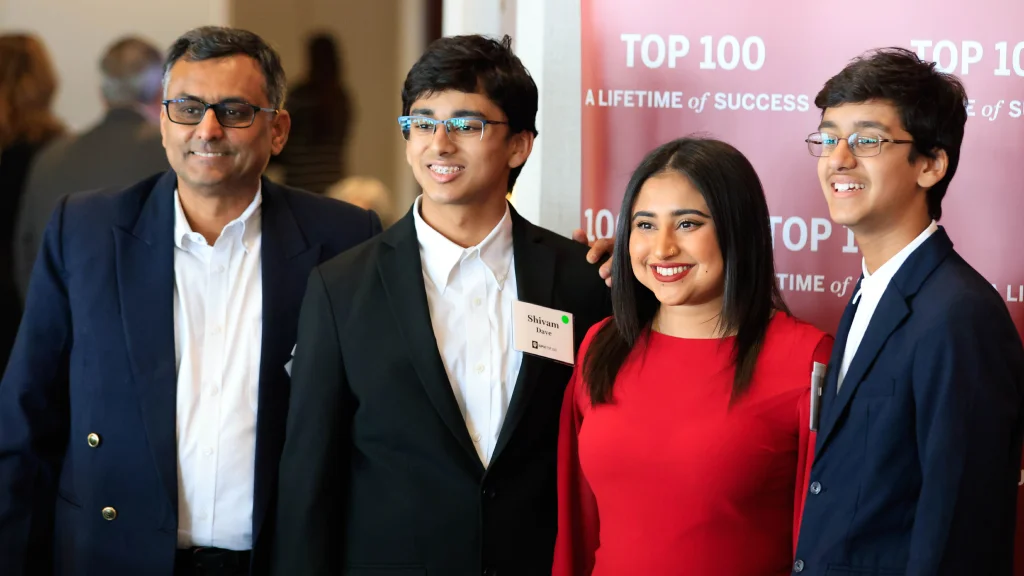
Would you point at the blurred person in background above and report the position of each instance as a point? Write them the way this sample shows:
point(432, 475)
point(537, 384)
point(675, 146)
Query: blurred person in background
point(321, 111)
point(124, 147)
point(28, 84)
point(366, 192)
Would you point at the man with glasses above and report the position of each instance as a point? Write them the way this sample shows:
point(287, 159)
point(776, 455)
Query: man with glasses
point(142, 414)
point(425, 401)
point(919, 441)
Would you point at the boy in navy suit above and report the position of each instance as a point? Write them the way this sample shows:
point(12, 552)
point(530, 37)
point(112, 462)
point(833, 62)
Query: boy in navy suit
point(919, 442)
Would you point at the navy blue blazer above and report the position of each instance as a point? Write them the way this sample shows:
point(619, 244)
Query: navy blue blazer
point(918, 456)
point(95, 355)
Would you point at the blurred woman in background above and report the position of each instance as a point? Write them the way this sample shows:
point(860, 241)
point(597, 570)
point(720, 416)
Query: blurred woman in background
point(28, 84)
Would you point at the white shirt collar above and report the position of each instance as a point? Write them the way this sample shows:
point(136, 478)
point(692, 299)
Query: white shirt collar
point(877, 283)
point(440, 255)
point(247, 224)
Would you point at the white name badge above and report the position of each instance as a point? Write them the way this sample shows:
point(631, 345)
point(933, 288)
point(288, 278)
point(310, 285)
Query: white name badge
point(542, 331)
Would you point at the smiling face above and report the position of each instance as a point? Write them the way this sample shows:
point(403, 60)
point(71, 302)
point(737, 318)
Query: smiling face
point(877, 193)
point(673, 245)
point(208, 158)
point(465, 169)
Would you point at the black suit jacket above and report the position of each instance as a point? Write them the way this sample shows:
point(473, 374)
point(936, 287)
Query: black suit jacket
point(379, 475)
point(918, 455)
point(95, 355)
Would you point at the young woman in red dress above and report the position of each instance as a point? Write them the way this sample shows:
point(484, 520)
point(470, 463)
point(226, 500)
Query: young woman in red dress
point(685, 428)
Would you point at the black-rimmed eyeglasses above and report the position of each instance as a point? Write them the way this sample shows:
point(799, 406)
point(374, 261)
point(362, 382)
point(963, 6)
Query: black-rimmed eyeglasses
point(862, 145)
point(191, 112)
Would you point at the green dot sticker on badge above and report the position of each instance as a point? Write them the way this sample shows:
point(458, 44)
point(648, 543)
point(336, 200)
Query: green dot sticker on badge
point(565, 319)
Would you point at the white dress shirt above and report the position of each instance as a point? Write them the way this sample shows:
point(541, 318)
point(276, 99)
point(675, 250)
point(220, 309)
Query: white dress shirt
point(872, 286)
point(218, 325)
point(470, 293)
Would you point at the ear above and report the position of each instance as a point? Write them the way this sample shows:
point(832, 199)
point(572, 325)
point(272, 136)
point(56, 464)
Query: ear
point(163, 126)
point(521, 145)
point(932, 170)
point(279, 128)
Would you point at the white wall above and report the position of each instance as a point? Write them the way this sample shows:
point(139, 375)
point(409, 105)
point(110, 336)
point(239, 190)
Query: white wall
point(77, 32)
point(471, 17)
point(546, 37)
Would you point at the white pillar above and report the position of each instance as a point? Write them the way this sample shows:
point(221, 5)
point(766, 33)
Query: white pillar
point(548, 40)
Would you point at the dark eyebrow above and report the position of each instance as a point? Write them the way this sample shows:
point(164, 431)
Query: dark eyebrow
point(421, 112)
point(681, 212)
point(872, 124)
point(230, 99)
point(857, 125)
point(468, 114)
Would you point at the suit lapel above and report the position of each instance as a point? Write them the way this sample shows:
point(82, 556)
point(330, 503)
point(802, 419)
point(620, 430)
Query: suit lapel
point(535, 272)
point(286, 262)
point(402, 277)
point(145, 284)
point(891, 312)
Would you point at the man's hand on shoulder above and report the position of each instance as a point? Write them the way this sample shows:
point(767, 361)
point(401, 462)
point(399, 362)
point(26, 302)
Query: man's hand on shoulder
point(598, 249)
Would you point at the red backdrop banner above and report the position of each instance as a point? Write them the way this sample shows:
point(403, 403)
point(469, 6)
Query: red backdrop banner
point(747, 72)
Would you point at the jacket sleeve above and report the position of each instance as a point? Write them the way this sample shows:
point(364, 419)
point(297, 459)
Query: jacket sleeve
point(314, 463)
point(34, 412)
point(967, 377)
point(805, 448)
point(578, 522)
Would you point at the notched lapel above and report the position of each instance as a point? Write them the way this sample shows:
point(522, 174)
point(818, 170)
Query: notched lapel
point(287, 259)
point(145, 283)
point(891, 311)
point(402, 277)
point(535, 265)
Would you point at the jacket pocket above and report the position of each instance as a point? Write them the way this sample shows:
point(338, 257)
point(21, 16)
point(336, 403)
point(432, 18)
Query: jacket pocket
point(876, 388)
point(62, 499)
point(385, 570)
point(845, 570)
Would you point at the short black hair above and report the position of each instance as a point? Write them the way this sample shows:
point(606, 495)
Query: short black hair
point(477, 64)
point(210, 42)
point(931, 104)
point(734, 195)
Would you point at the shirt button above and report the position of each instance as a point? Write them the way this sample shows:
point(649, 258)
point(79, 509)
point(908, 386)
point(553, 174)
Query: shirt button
point(220, 269)
point(815, 488)
point(215, 330)
point(207, 451)
point(798, 566)
point(479, 368)
point(214, 391)
point(201, 516)
point(477, 302)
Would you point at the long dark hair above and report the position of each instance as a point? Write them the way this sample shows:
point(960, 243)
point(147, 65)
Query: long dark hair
point(732, 190)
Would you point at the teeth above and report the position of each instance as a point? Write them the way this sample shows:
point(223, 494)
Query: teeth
point(209, 154)
point(670, 271)
point(843, 187)
point(446, 169)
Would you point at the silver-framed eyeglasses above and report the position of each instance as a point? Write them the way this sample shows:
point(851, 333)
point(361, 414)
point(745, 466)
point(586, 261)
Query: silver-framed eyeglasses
point(823, 143)
point(457, 129)
point(191, 111)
